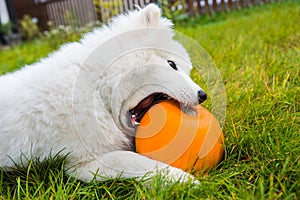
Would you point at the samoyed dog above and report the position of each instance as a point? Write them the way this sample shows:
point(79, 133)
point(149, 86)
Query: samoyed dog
point(87, 98)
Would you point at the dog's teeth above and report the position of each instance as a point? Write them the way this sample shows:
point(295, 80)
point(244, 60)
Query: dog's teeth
point(133, 120)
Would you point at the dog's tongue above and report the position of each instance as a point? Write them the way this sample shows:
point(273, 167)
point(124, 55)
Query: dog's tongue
point(139, 109)
point(145, 103)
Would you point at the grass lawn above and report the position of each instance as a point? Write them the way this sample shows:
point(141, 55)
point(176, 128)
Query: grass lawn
point(258, 54)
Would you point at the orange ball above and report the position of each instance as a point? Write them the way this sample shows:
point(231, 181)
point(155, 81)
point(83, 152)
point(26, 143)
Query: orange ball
point(192, 143)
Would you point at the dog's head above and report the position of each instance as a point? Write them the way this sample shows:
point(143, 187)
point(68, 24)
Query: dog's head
point(156, 68)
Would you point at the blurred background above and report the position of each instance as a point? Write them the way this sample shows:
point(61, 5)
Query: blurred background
point(26, 19)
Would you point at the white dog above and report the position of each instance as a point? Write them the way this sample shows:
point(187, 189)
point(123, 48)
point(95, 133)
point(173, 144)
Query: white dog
point(87, 98)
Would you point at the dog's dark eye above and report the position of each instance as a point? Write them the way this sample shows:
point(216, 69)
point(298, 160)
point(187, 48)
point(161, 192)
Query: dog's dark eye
point(172, 64)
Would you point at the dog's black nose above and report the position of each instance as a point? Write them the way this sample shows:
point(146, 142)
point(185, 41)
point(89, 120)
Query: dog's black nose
point(201, 96)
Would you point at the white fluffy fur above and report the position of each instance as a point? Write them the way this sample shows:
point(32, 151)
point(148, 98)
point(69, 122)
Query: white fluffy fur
point(37, 102)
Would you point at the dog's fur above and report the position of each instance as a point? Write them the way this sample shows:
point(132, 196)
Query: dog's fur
point(44, 108)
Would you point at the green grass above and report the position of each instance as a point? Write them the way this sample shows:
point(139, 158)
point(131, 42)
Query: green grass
point(29, 52)
point(258, 54)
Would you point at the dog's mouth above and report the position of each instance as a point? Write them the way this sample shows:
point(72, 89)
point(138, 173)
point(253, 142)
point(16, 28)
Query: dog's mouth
point(143, 106)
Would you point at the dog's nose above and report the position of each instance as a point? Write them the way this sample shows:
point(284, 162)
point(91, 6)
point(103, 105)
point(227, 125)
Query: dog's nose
point(201, 96)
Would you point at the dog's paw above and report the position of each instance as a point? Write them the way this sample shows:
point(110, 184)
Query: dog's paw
point(173, 174)
point(168, 177)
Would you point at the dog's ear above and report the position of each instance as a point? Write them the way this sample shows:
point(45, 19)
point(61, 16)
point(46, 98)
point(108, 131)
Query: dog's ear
point(151, 15)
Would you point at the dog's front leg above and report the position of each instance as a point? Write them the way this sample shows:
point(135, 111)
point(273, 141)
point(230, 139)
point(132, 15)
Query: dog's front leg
point(127, 164)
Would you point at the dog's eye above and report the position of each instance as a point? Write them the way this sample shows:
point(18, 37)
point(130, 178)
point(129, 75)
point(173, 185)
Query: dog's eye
point(172, 64)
